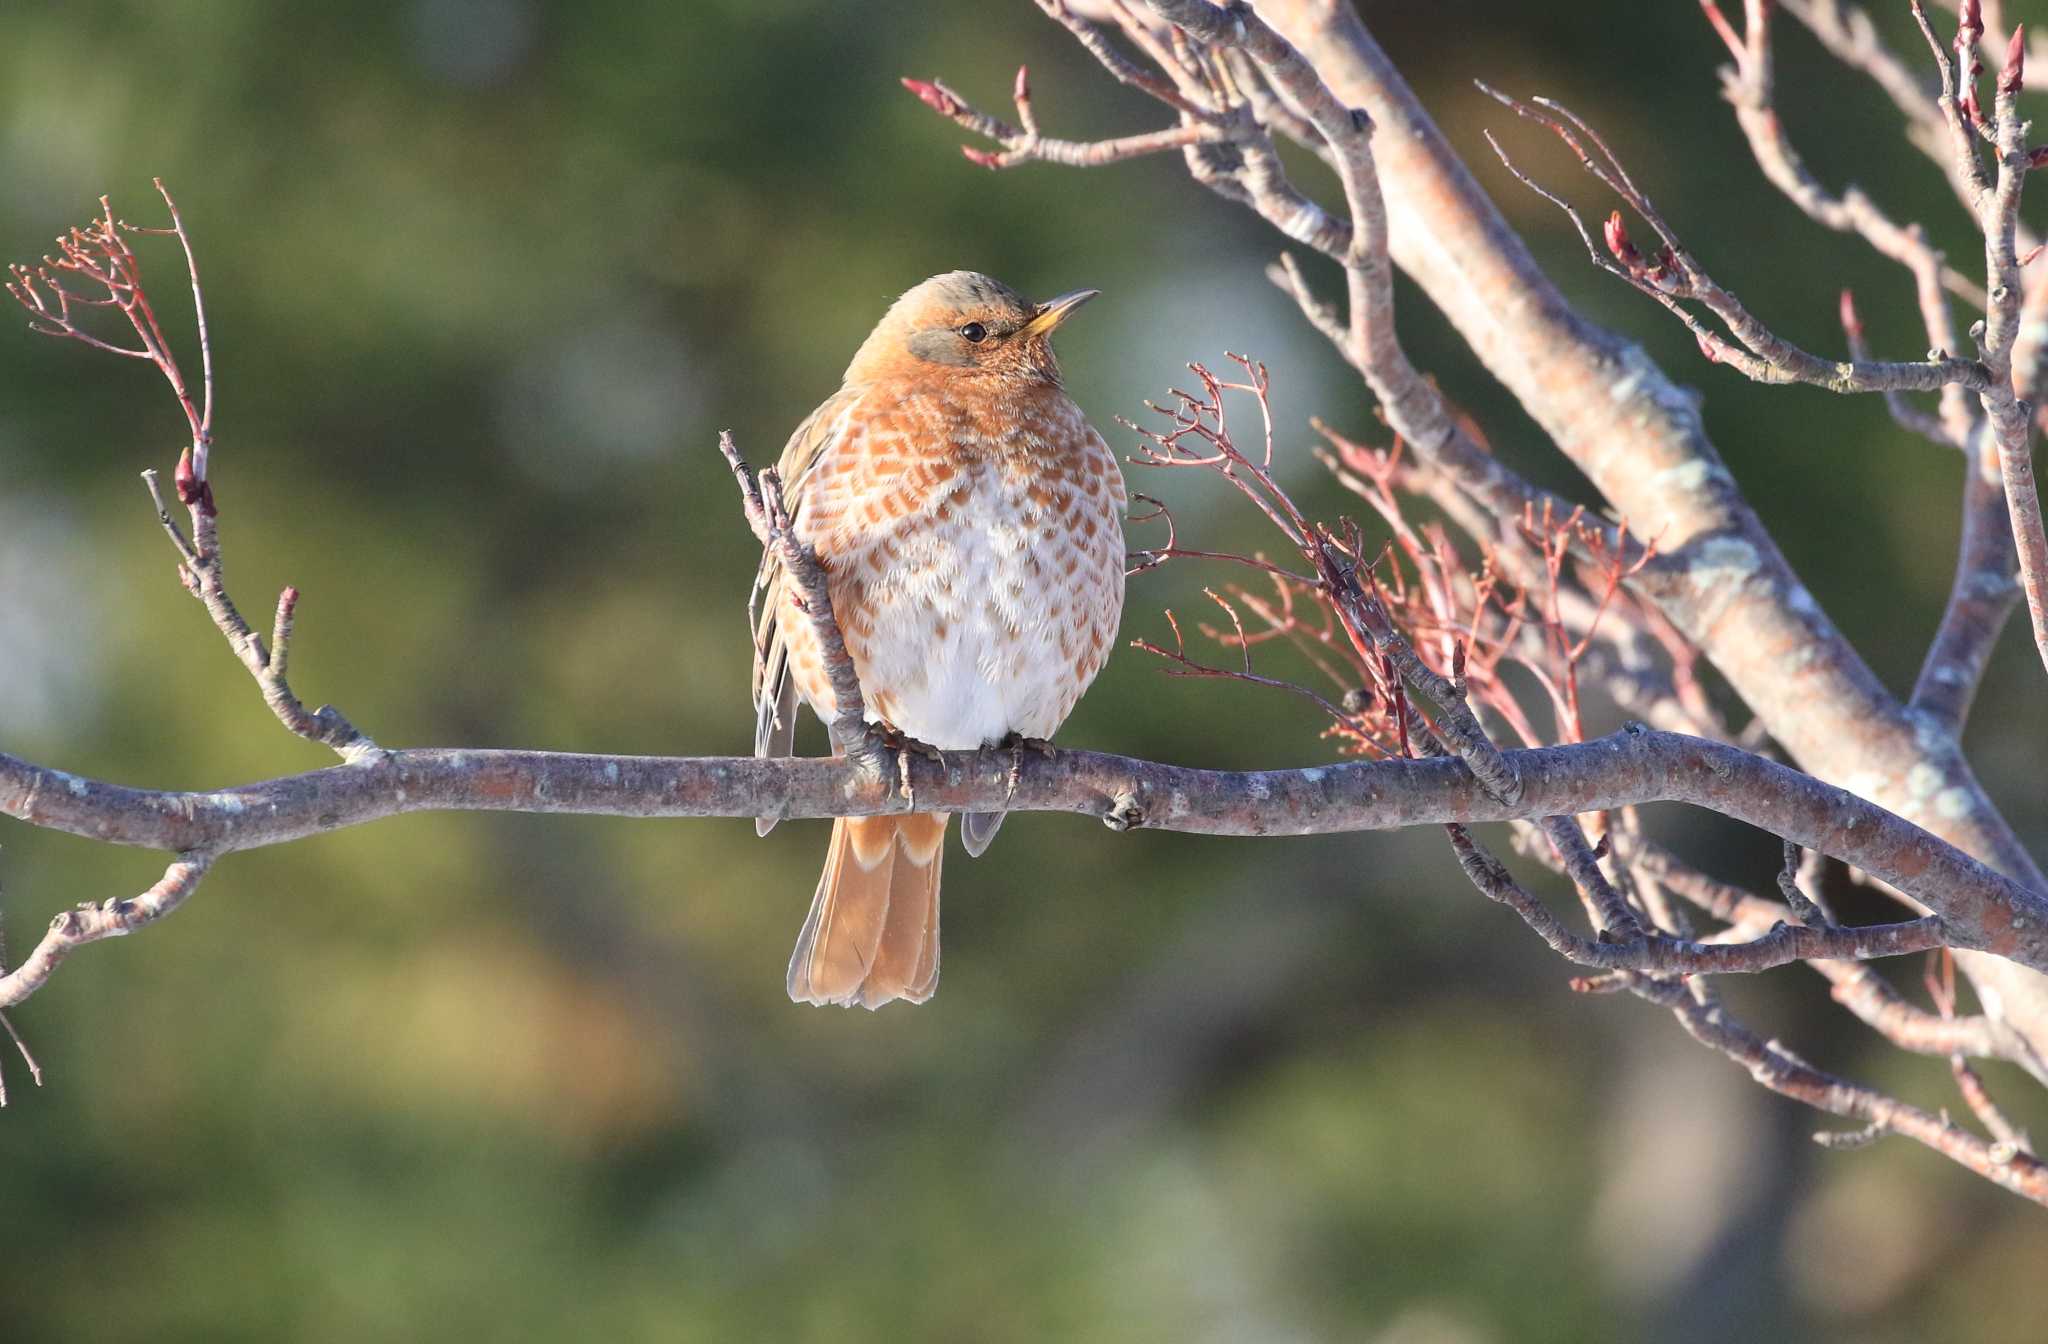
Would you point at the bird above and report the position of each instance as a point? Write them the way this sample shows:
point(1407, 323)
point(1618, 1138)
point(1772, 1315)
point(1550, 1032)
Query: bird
point(969, 522)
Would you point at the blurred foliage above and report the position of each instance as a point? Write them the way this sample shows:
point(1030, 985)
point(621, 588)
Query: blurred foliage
point(486, 277)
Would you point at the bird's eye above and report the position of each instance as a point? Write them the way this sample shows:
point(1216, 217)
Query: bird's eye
point(974, 332)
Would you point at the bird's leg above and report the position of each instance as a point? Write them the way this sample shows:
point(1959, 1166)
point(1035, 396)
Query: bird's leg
point(886, 737)
point(1016, 744)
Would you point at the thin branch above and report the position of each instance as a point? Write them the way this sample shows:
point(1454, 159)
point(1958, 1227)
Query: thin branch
point(202, 572)
point(1634, 950)
point(1784, 1073)
point(35, 1070)
point(1120, 67)
point(767, 515)
point(1806, 909)
point(111, 919)
point(1185, 666)
point(1856, 987)
point(1673, 277)
point(1998, 208)
point(1750, 87)
point(202, 434)
point(1613, 917)
point(1981, 598)
point(1024, 144)
point(99, 256)
point(1200, 436)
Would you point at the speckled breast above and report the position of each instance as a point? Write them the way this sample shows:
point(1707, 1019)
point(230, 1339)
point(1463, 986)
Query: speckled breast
point(976, 561)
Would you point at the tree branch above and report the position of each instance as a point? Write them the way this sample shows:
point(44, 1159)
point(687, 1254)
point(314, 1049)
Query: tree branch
point(768, 515)
point(1770, 1064)
point(1980, 908)
point(89, 923)
point(1673, 277)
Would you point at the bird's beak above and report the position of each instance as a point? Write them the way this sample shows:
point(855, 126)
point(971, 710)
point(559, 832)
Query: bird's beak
point(1055, 311)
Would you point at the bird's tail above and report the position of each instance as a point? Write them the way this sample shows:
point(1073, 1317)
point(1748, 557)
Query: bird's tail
point(873, 930)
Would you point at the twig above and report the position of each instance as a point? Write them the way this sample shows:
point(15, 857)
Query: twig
point(89, 923)
point(98, 255)
point(35, 1070)
point(1806, 909)
point(1673, 276)
point(1981, 598)
point(1749, 85)
point(1856, 987)
point(1996, 200)
point(1639, 951)
point(1775, 1068)
point(200, 569)
point(769, 518)
point(1023, 144)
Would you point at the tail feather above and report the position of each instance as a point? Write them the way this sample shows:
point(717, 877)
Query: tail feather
point(873, 931)
point(977, 829)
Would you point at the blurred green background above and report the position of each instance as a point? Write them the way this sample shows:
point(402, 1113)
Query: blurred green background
point(486, 277)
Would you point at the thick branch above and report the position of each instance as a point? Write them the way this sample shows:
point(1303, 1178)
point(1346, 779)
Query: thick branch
point(1639, 437)
point(1980, 908)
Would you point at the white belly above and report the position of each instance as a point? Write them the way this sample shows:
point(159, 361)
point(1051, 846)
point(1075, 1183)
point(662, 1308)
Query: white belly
point(994, 612)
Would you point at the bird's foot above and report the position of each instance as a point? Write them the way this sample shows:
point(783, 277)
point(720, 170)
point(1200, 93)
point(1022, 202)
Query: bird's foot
point(886, 739)
point(1016, 744)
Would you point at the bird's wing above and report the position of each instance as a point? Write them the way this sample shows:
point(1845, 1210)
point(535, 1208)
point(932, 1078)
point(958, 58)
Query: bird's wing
point(774, 693)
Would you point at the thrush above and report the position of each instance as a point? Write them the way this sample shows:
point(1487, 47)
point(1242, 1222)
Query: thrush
point(967, 518)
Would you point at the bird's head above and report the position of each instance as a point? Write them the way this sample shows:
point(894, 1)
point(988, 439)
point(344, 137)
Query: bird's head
point(965, 324)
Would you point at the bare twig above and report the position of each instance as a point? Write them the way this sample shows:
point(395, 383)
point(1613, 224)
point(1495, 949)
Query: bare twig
point(110, 919)
point(1630, 948)
point(1783, 1073)
point(98, 254)
point(1673, 277)
point(1806, 909)
point(1022, 144)
point(1749, 85)
point(1856, 987)
point(35, 1070)
point(1996, 201)
point(769, 518)
point(200, 569)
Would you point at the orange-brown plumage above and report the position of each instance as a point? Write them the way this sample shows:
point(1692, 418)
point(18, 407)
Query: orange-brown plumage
point(967, 516)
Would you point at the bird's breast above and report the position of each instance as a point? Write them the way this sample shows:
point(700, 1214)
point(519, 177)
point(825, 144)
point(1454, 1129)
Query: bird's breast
point(978, 576)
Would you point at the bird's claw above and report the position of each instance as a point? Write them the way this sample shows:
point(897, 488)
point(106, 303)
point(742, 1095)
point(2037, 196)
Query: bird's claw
point(886, 739)
point(894, 739)
point(1016, 744)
